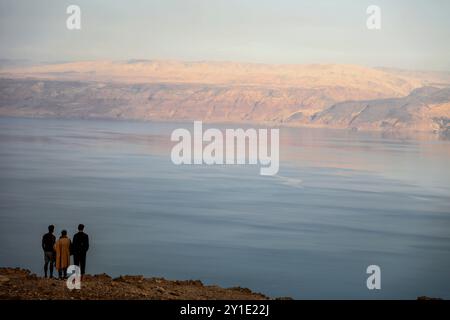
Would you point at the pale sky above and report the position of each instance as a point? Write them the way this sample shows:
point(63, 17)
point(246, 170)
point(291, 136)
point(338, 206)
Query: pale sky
point(415, 34)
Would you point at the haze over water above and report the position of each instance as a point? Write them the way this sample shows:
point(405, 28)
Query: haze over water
point(342, 201)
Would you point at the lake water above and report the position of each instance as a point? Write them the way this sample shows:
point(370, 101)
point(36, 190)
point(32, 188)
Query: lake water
point(342, 201)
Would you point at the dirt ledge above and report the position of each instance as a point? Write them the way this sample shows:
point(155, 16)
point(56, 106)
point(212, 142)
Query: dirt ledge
point(21, 284)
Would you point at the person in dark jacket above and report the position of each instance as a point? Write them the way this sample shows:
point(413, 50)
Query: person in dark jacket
point(80, 246)
point(48, 241)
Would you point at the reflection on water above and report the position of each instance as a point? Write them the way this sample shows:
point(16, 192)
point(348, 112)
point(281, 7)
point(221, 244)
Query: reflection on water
point(342, 200)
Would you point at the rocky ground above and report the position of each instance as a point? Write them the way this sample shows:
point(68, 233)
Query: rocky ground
point(21, 284)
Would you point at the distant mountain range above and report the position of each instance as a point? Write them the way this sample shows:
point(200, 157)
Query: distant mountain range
point(334, 96)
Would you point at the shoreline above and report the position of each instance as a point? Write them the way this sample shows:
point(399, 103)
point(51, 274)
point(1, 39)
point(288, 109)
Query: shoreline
point(241, 124)
point(22, 284)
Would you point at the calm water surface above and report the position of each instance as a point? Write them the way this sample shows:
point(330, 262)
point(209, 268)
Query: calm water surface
point(341, 201)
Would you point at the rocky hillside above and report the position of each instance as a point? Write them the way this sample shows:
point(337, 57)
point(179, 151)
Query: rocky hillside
point(55, 98)
point(425, 109)
point(22, 284)
point(338, 96)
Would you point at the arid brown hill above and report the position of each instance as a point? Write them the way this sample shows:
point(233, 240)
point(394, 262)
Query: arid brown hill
point(337, 96)
point(425, 109)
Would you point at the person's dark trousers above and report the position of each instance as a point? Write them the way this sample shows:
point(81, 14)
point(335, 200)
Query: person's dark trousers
point(62, 273)
point(80, 260)
point(49, 258)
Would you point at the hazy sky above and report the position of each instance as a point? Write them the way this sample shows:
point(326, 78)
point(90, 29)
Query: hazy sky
point(414, 34)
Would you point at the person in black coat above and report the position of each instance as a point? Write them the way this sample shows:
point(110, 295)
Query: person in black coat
point(48, 241)
point(80, 246)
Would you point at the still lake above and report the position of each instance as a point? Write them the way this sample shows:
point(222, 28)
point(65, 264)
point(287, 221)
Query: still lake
point(341, 201)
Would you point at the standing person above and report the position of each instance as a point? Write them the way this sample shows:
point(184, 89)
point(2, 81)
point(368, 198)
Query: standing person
point(62, 248)
point(48, 242)
point(80, 247)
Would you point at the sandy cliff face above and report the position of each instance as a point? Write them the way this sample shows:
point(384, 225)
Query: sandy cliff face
point(425, 109)
point(341, 96)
